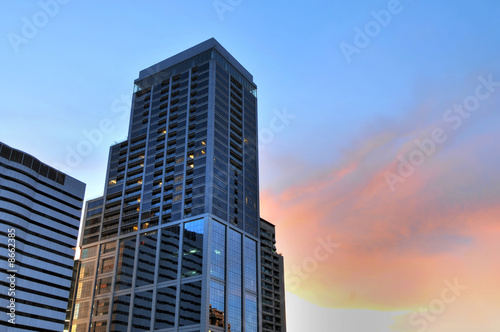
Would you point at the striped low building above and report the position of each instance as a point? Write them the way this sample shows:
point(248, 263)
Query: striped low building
point(40, 210)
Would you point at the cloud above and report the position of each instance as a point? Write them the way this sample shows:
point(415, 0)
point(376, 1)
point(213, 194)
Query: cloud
point(305, 316)
point(397, 246)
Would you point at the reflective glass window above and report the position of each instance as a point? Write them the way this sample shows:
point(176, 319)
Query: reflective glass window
point(169, 253)
point(234, 281)
point(147, 258)
point(119, 318)
point(250, 264)
point(101, 307)
point(165, 308)
point(190, 307)
point(103, 285)
point(125, 265)
point(192, 253)
point(216, 307)
point(142, 311)
point(218, 250)
point(251, 320)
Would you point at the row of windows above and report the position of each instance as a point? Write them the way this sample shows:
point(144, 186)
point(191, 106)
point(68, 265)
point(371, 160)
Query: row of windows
point(25, 159)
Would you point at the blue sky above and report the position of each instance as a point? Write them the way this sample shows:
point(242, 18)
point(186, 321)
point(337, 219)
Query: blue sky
point(75, 71)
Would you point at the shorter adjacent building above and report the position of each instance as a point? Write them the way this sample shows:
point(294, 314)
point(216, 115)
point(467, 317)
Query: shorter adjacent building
point(40, 210)
point(273, 281)
point(72, 296)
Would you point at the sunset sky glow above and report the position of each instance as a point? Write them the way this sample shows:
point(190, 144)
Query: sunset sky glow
point(379, 166)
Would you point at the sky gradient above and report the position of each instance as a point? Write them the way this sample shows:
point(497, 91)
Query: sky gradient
point(378, 129)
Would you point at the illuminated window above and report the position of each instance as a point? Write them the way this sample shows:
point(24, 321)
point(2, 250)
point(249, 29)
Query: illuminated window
point(77, 311)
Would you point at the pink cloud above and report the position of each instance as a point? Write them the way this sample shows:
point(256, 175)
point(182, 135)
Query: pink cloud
point(396, 247)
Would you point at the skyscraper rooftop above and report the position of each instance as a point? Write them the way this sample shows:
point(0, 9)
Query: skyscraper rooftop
point(190, 53)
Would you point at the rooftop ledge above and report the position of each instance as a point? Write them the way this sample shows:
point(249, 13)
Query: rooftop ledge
point(191, 52)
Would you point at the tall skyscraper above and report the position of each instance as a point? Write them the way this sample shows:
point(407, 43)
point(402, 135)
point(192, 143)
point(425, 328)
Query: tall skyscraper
point(40, 210)
point(174, 244)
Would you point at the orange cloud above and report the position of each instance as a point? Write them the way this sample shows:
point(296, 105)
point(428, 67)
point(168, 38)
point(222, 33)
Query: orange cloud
point(396, 247)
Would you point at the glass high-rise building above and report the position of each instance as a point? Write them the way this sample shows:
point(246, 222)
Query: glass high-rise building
point(40, 210)
point(174, 243)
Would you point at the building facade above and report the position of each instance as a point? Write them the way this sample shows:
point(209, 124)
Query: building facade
point(40, 210)
point(272, 280)
point(174, 243)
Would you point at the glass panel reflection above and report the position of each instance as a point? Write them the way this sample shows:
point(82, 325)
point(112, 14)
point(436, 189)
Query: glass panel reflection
point(142, 311)
point(119, 318)
point(250, 264)
point(125, 266)
point(87, 269)
point(192, 248)
point(216, 313)
point(190, 310)
point(234, 275)
point(108, 247)
point(101, 307)
point(103, 285)
point(165, 308)
point(169, 253)
point(147, 257)
point(251, 320)
point(218, 252)
point(106, 265)
point(99, 326)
